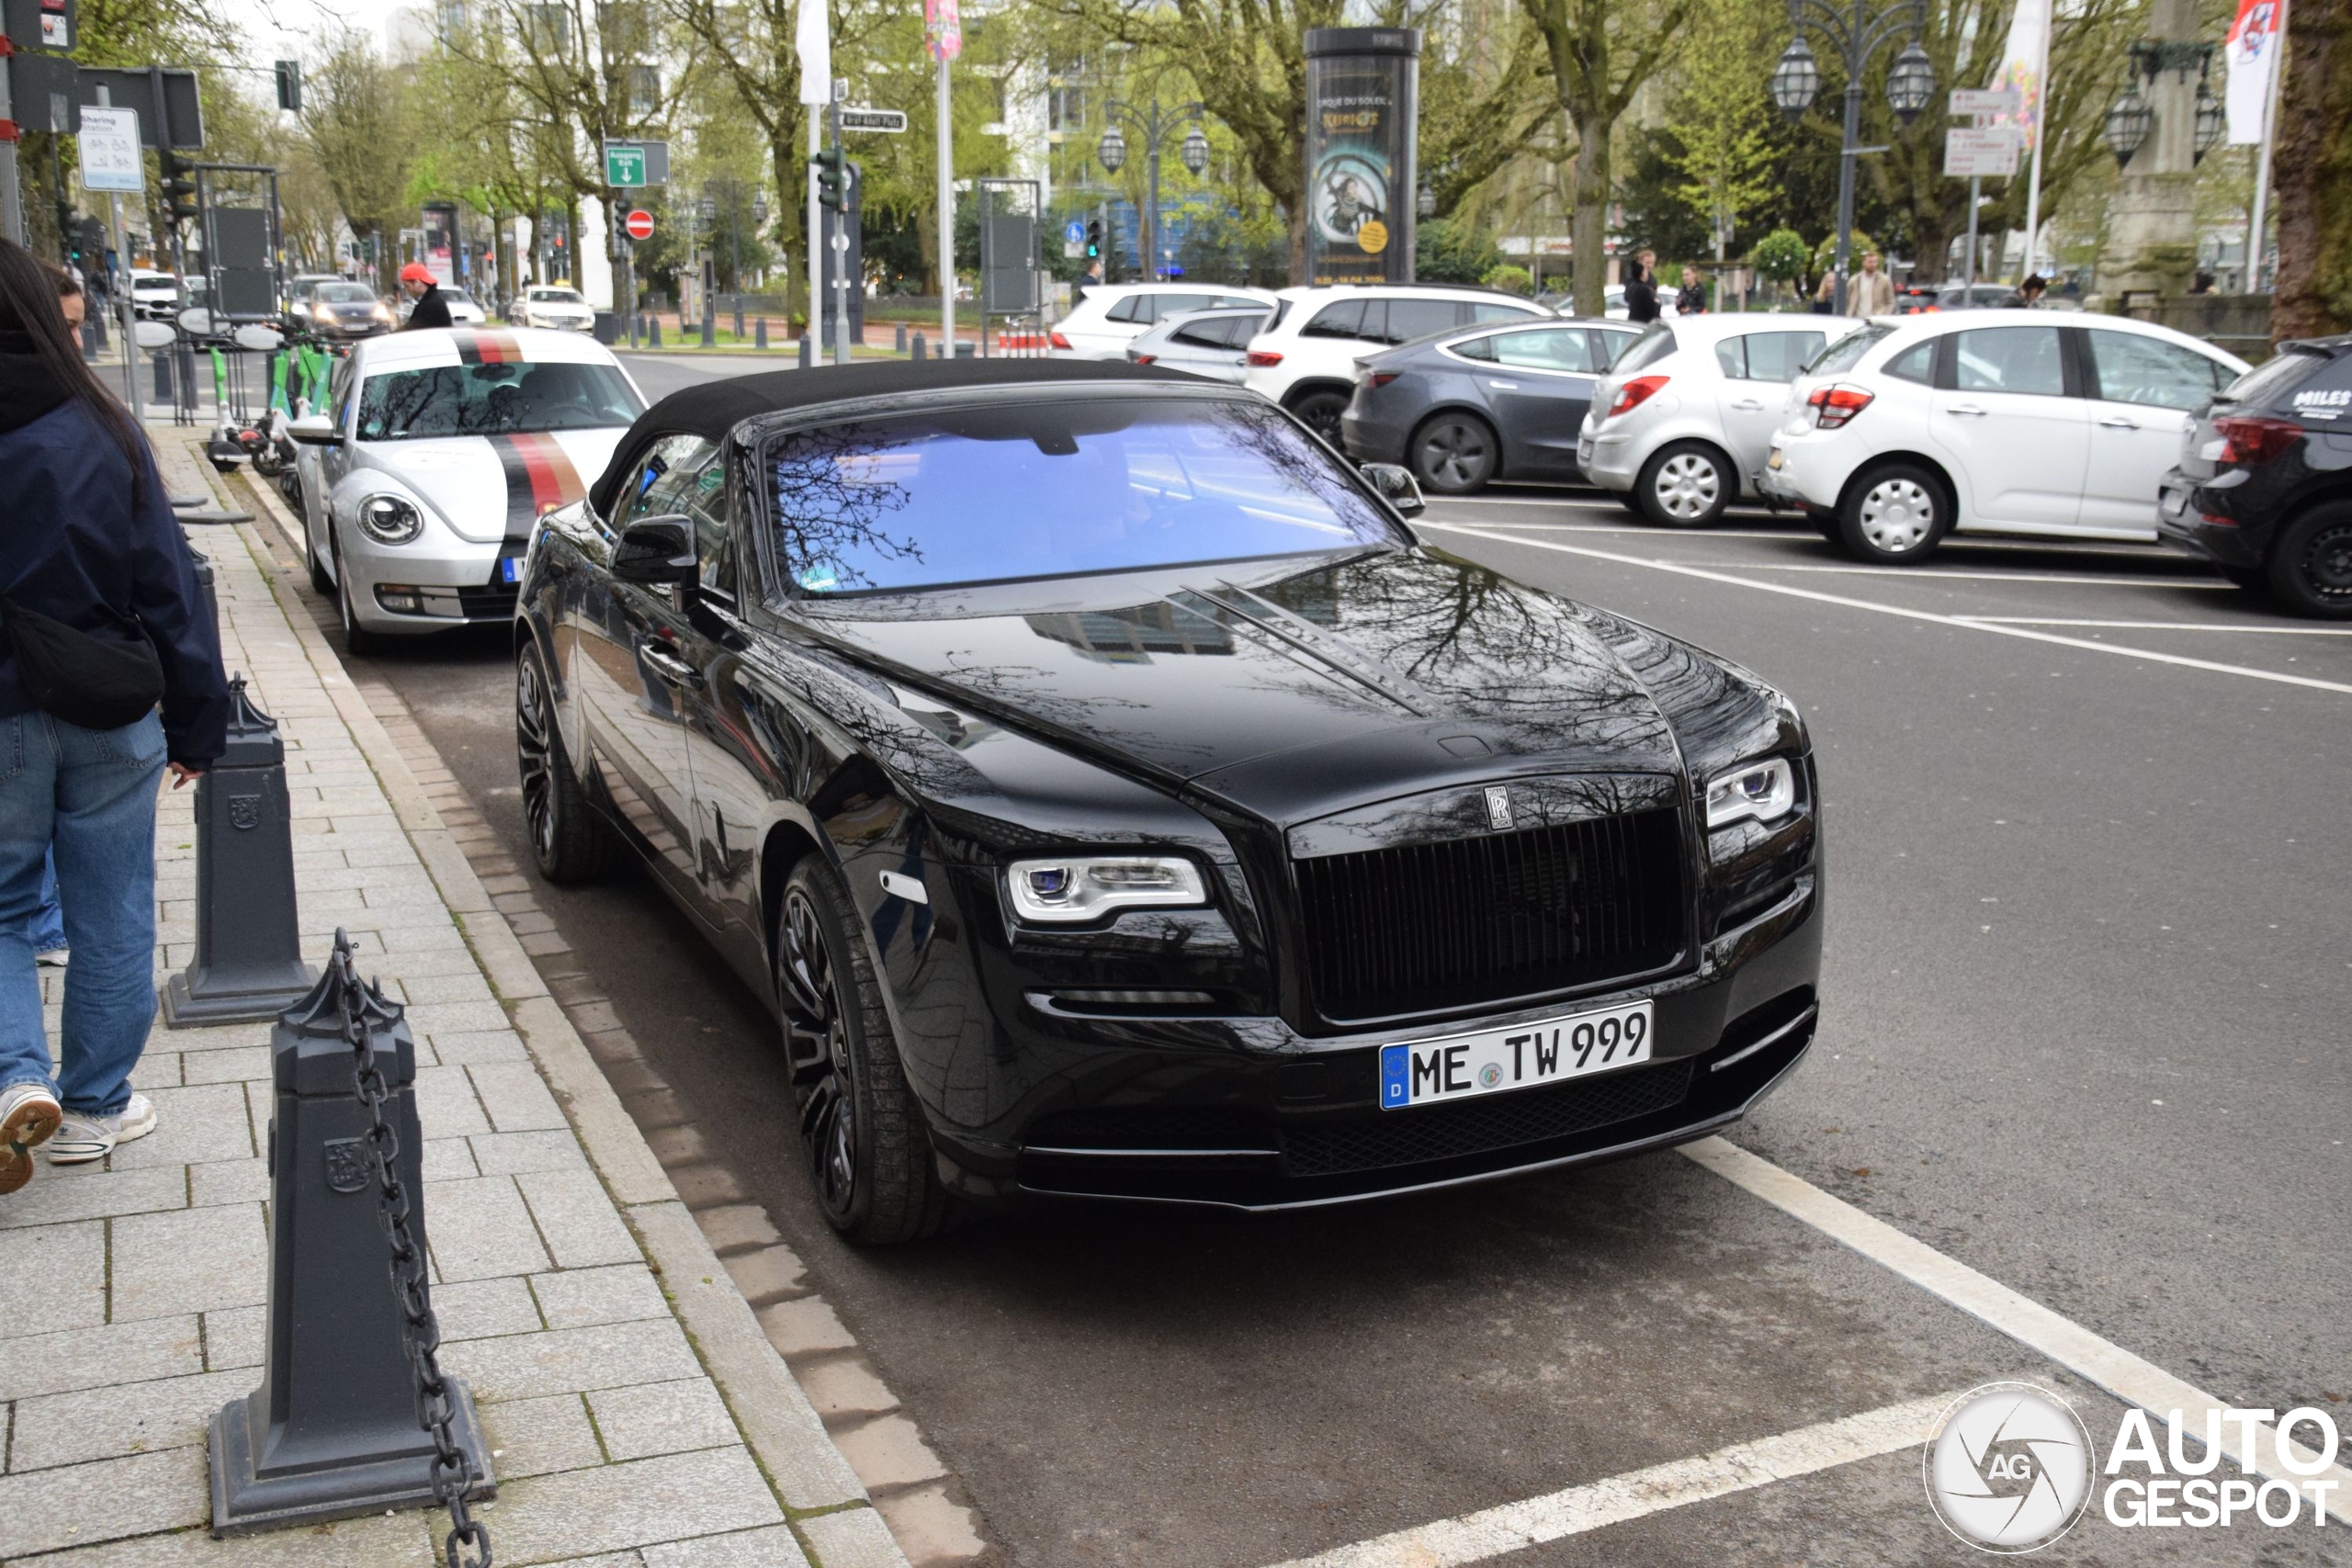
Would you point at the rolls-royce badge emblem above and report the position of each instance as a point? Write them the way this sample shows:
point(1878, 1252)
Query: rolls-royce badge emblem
point(1498, 808)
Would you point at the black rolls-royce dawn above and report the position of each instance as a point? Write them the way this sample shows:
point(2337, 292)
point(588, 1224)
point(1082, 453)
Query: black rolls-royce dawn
point(1113, 798)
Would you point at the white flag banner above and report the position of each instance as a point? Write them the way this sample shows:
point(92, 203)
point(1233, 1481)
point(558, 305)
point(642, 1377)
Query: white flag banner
point(2025, 61)
point(813, 38)
point(2251, 49)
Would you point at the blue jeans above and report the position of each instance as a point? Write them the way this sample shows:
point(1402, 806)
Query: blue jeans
point(47, 933)
point(88, 796)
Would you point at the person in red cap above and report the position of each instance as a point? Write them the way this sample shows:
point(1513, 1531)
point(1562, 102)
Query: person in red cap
point(430, 311)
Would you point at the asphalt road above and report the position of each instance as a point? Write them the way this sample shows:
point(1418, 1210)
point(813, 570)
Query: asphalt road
point(2084, 1029)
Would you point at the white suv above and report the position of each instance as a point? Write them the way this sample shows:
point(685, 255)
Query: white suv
point(1682, 424)
point(1307, 359)
point(2000, 421)
point(1113, 315)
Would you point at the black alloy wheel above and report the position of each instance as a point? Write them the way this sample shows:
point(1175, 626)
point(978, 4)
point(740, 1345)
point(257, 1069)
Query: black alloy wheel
point(862, 1134)
point(568, 842)
point(358, 640)
point(1321, 412)
point(2310, 566)
point(1454, 453)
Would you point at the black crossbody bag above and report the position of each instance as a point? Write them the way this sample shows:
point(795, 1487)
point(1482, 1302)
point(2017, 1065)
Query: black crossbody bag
point(81, 678)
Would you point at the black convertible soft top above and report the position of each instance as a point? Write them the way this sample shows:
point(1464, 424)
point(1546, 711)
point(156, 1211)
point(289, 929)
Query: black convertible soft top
point(717, 407)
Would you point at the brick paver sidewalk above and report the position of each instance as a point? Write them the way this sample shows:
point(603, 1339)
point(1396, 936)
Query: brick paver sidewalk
point(638, 1417)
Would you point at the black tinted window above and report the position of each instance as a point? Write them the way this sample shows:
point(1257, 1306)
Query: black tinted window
point(1409, 319)
point(1343, 320)
point(1478, 348)
point(2272, 383)
point(1130, 308)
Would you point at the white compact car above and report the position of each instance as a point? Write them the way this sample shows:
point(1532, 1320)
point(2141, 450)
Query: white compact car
point(1990, 421)
point(1113, 315)
point(1684, 421)
point(155, 295)
point(554, 307)
point(442, 449)
point(1307, 359)
point(463, 311)
point(1214, 344)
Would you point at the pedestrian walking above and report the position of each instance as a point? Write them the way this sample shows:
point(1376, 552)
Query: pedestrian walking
point(430, 308)
point(1641, 288)
point(2027, 294)
point(1090, 278)
point(1872, 291)
point(1691, 301)
point(102, 620)
point(1825, 298)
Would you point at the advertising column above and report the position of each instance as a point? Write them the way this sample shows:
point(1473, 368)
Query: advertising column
point(1362, 114)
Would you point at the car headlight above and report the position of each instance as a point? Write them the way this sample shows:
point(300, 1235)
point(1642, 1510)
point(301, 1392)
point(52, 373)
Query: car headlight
point(1766, 791)
point(389, 520)
point(1080, 887)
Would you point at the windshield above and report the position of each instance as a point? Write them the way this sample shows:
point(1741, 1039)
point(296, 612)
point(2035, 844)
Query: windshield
point(1049, 488)
point(493, 400)
point(2268, 383)
point(344, 294)
point(1846, 351)
point(1654, 344)
point(555, 297)
point(455, 297)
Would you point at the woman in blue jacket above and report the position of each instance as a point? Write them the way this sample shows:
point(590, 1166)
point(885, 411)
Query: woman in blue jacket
point(90, 559)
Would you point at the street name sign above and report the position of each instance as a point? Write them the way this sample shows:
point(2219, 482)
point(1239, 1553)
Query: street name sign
point(110, 159)
point(1987, 151)
point(1984, 101)
point(892, 120)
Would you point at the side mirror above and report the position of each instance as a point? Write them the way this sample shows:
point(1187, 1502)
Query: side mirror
point(1396, 486)
point(656, 550)
point(315, 430)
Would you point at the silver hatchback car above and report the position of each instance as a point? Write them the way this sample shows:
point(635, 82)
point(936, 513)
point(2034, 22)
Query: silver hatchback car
point(1214, 344)
point(441, 449)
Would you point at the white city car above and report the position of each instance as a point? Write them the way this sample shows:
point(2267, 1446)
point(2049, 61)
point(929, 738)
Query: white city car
point(1113, 315)
point(556, 309)
point(1682, 424)
point(1307, 359)
point(1990, 421)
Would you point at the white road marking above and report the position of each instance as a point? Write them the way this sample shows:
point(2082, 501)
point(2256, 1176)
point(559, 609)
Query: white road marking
point(2165, 626)
point(2127, 1377)
point(1930, 616)
point(1513, 1526)
point(1638, 528)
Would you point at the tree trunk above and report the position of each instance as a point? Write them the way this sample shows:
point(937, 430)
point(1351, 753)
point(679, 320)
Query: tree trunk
point(1297, 216)
point(1588, 218)
point(792, 190)
point(2313, 168)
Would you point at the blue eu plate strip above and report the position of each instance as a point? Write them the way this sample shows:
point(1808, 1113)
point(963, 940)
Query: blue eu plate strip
point(1395, 1075)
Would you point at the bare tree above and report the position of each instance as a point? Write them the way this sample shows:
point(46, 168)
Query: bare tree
point(355, 117)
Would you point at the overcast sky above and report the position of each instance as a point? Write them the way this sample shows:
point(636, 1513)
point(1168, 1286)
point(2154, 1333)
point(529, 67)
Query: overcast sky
point(283, 30)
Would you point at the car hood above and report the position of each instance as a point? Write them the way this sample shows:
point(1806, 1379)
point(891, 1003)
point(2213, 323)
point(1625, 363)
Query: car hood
point(489, 488)
point(1287, 689)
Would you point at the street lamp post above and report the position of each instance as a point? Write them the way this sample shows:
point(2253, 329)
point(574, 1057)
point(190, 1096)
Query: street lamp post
point(1152, 125)
point(1857, 33)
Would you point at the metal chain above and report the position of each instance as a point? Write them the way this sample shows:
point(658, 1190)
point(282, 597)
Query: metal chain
point(453, 1476)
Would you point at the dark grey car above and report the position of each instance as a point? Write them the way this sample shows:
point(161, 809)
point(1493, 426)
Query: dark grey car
point(1497, 402)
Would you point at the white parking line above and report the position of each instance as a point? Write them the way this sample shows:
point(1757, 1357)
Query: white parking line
point(2163, 626)
point(1898, 611)
point(1513, 1526)
point(2252, 1445)
point(1638, 528)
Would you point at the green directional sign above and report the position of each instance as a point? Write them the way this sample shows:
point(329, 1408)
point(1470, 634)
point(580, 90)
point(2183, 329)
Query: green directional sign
point(624, 164)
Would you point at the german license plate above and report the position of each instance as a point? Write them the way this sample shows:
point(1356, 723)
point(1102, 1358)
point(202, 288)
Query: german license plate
point(510, 569)
point(1495, 1061)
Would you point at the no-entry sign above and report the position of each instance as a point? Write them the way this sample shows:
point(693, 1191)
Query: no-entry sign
point(640, 224)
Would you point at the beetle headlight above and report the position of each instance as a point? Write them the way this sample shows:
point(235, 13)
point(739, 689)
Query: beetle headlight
point(389, 520)
point(1080, 887)
point(1766, 791)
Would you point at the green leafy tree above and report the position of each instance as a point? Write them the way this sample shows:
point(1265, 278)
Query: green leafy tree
point(1722, 117)
point(1781, 255)
point(359, 119)
point(1451, 251)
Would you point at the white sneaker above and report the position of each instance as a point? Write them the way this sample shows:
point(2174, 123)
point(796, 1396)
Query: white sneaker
point(29, 1114)
point(81, 1139)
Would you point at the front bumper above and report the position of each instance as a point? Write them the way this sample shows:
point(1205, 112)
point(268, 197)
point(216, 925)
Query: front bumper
point(1245, 1114)
point(403, 590)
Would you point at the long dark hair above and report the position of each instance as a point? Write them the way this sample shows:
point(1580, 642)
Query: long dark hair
point(32, 320)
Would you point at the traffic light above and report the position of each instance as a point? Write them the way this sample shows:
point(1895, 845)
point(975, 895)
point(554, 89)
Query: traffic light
point(832, 179)
point(179, 188)
point(289, 84)
point(1093, 238)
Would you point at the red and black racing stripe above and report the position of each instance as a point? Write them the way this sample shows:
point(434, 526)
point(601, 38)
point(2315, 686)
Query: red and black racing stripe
point(488, 345)
point(539, 477)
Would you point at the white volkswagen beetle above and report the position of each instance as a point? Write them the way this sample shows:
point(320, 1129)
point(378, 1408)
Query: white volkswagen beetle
point(439, 450)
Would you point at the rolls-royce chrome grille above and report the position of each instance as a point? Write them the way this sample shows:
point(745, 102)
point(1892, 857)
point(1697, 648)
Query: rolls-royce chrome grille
point(1429, 927)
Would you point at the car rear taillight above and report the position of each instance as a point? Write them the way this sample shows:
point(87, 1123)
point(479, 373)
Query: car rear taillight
point(1141, 358)
point(1636, 392)
point(1057, 340)
point(1381, 377)
point(2253, 442)
point(1833, 406)
point(1264, 358)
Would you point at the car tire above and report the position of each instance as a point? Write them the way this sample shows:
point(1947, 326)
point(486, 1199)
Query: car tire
point(1319, 411)
point(1686, 484)
point(1823, 520)
point(1894, 515)
point(358, 640)
point(862, 1134)
point(1454, 453)
point(569, 843)
point(320, 580)
point(2311, 564)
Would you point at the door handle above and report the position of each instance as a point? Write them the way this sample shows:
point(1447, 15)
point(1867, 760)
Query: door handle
point(670, 667)
point(2117, 422)
point(1748, 405)
point(1504, 386)
point(1971, 410)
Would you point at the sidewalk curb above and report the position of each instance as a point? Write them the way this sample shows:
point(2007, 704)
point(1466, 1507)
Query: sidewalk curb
point(773, 1413)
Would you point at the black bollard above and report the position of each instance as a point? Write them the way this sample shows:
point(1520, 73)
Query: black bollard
point(901, 345)
point(653, 332)
point(163, 393)
point(760, 337)
point(333, 1431)
point(739, 324)
point(807, 352)
point(248, 961)
point(709, 328)
point(919, 345)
